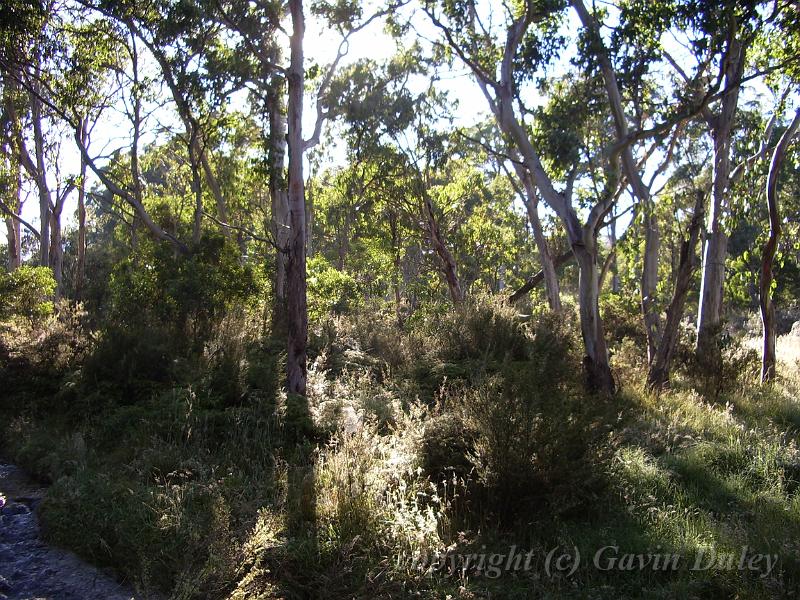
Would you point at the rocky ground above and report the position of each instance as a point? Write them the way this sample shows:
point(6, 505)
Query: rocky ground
point(29, 568)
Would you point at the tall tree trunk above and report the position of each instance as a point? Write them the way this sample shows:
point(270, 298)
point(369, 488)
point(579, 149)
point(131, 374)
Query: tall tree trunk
point(770, 248)
point(279, 199)
point(709, 311)
point(598, 371)
point(197, 191)
point(41, 182)
point(649, 279)
point(13, 190)
point(658, 375)
point(80, 270)
point(13, 230)
point(56, 248)
point(309, 216)
point(12, 235)
point(297, 302)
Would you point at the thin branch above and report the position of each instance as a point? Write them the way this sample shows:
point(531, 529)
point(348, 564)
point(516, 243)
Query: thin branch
point(6, 209)
point(249, 232)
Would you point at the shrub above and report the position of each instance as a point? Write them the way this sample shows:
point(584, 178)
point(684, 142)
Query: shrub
point(185, 294)
point(131, 360)
point(481, 328)
point(622, 318)
point(27, 292)
point(524, 427)
point(330, 291)
point(723, 366)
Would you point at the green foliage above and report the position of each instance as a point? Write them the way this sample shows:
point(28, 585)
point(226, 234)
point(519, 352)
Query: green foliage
point(721, 365)
point(27, 292)
point(155, 287)
point(330, 291)
point(622, 318)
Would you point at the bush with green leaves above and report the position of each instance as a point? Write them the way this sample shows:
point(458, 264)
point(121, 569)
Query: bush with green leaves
point(27, 292)
point(330, 291)
point(521, 427)
point(186, 294)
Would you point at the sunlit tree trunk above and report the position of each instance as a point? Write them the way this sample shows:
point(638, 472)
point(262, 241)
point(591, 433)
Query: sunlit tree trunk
point(614, 266)
point(13, 187)
point(770, 248)
point(57, 248)
point(595, 362)
point(709, 313)
point(649, 277)
point(551, 286)
point(297, 303)
point(13, 230)
point(41, 182)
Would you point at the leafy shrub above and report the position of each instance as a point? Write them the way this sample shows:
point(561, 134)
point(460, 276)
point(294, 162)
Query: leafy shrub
point(330, 291)
point(132, 360)
point(27, 292)
point(722, 366)
point(525, 427)
point(186, 294)
point(481, 328)
point(622, 318)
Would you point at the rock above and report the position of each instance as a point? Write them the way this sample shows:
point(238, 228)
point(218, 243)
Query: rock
point(15, 508)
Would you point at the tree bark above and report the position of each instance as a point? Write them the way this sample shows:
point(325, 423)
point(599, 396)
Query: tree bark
point(770, 248)
point(597, 369)
point(658, 374)
point(80, 271)
point(649, 278)
point(197, 191)
point(41, 182)
point(531, 201)
point(445, 256)
point(14, 189)
point(56, 246)
point(13, 230)
point(297, 302)
point(709, 311)
point(279, 199)
point(614, 264)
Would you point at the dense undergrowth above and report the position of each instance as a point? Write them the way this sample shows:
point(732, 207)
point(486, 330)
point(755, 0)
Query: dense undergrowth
point(461, 432)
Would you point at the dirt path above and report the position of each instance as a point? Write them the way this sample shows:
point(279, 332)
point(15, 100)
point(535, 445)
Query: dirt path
point(29, 568)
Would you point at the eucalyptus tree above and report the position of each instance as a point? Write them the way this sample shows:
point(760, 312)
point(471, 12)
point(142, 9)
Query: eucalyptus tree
point(11, 196)
point(19, 22)
point(247, 21)
point(383, 114)
point(500, 63)
point(720, 38)
point(770, 248)
point(115, 52)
